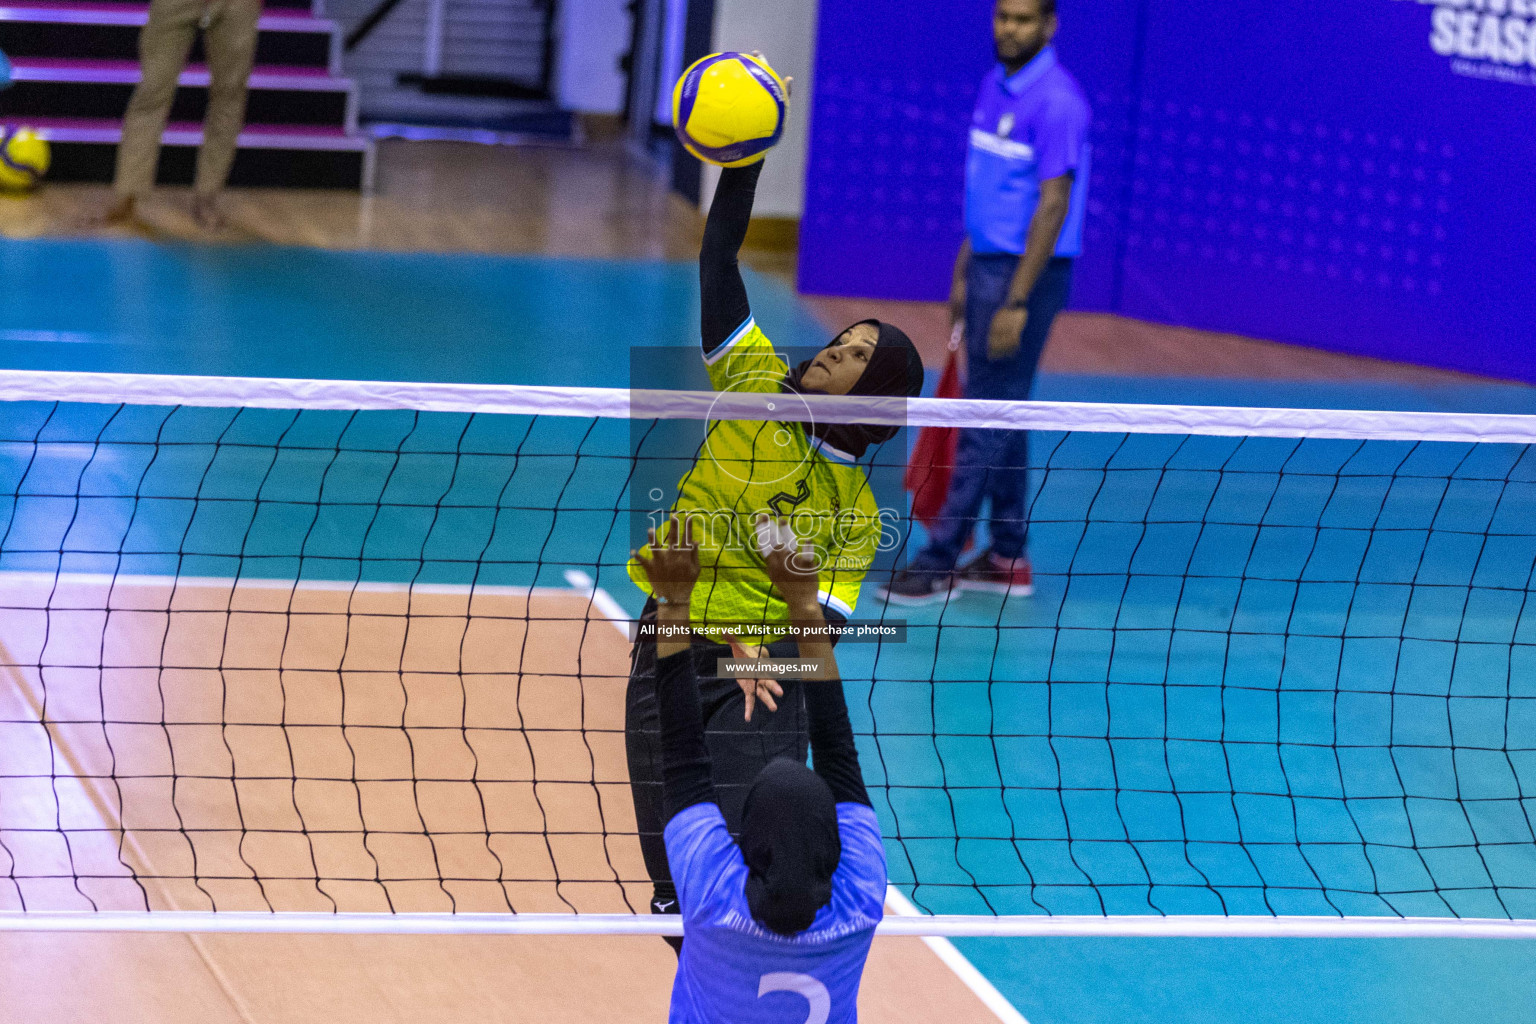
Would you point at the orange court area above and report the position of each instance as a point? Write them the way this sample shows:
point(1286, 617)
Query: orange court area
point(200, 745)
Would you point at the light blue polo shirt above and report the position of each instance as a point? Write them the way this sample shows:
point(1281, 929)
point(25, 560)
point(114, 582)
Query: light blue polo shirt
point(1029, 127)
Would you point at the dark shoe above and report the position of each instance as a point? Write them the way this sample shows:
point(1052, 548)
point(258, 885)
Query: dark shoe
point(990, 574)
point(917, 586)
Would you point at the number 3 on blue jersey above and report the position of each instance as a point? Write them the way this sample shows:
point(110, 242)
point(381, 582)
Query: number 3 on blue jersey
point(815, 993)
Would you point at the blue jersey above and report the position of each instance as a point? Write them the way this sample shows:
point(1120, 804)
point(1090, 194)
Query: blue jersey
point(735, 971)
point(1029, 127)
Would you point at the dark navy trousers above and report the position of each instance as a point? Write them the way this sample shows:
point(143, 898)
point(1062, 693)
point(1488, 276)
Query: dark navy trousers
point(994, 464)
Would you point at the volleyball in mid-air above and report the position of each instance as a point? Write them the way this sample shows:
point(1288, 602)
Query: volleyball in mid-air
point(24, 158)
point(729, 108)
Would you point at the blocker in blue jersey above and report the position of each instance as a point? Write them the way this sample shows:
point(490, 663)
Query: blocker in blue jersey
point(778, 922)
point(5, 72)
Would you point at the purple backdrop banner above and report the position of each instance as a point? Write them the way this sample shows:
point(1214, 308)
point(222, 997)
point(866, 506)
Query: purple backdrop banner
point(1348, 174)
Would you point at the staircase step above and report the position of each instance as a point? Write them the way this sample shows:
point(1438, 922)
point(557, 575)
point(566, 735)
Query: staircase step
point(101, 88)
point(270, 5)
point(110, 31)
point(39, 69)
point(295, 155)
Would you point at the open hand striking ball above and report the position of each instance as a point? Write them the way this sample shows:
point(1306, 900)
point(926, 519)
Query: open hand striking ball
point(729, 108)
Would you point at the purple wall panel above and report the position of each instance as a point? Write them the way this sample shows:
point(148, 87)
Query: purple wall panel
point(895, 84)
point(1312, 172)
point(1099, 42)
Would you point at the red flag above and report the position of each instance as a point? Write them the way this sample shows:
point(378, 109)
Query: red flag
point(933, 457)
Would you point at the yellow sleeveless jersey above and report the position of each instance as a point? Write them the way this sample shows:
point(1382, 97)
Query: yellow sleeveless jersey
point(748, 468)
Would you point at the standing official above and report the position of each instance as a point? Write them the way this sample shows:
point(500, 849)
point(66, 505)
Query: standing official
point(1025, 195)
point(229, 30)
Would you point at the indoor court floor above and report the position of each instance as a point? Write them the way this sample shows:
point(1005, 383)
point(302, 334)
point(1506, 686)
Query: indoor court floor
point(445, 277)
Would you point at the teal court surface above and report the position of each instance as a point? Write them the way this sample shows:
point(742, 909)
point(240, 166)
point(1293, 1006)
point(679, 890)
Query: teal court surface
point(1259, 676)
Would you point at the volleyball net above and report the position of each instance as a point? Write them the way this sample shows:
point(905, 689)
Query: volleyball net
point(344, 656)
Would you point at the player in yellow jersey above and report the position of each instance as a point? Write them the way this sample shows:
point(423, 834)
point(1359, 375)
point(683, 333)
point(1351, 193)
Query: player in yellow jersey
point(806, 472)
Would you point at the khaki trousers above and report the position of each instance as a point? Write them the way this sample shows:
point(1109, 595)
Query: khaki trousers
point(229, 36)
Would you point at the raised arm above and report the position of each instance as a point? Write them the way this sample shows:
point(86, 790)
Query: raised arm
point(833, 753)
point(722, 292)
point(673, 569)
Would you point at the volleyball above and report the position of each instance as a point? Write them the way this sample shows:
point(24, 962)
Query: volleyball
point(24, 158)
point(729, 108)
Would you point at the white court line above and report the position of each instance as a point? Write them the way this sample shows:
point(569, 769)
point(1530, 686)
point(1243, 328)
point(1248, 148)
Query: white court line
point(103, 579)
point(956, 961)
point(601, 600)
point(48, 337)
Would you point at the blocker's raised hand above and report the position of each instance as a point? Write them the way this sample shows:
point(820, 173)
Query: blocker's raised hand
point(672, 567)
point(792, 564)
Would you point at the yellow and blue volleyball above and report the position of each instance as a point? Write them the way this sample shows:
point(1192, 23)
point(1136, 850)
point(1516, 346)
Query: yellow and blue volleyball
point(729, 108)
point(24, 158)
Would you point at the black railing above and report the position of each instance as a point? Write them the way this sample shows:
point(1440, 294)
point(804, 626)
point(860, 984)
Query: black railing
point(365, 27)
point(472, 85)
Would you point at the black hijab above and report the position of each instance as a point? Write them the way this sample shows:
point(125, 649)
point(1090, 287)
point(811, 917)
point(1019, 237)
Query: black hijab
point(790, 842)
point(895, 370)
